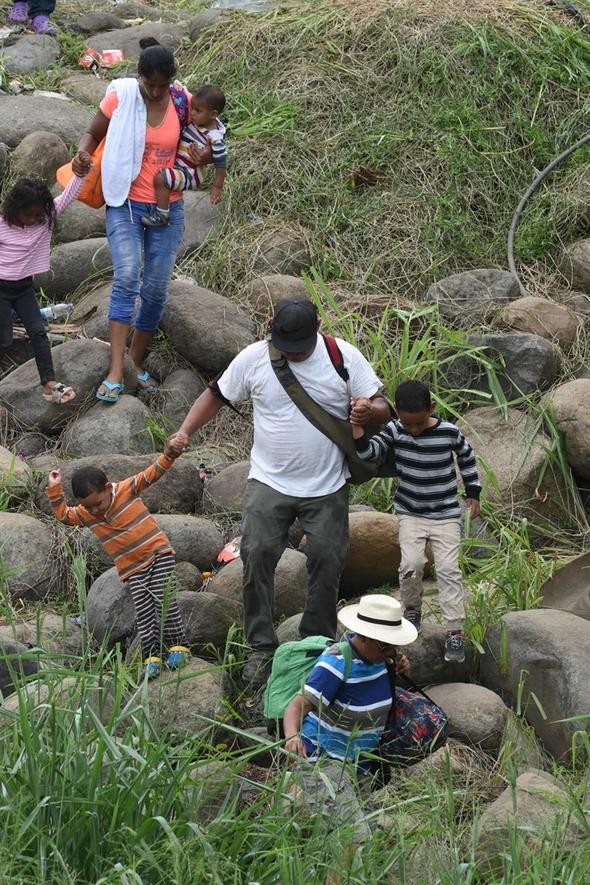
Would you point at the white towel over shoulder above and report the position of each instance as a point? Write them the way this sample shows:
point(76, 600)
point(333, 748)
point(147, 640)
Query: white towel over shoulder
point(125, 142)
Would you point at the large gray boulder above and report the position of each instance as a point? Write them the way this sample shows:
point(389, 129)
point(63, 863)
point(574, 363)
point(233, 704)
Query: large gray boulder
point(169, 35)
point(574, 264)
point(536, 811)
point(84, 87)
point(110, 613)
point(183, 703)
point(282, 251)
point(207, 619)
point(179, 491)
point(529, 362)
point(542, 317)
point(427, 658)
point(98, 300)
point(80, 222)
point(79, 363)
point(94, 22)
point(194, 538)
point(200, 217)
point(57, 635)
point(39, 155)
point(16, 664)
point(209, 345)
point(476, 715)
point(290, 583)
point(26, 550)
point(569, 588)
point(176, 395)
point(225, 491)
point(517, 457)
point(72, 264)
point(548, 651)
point(373, 552)
point(30, 53)
point(264, 292)
point(469, 297)
point(119, 428)
point(203, 20)
point(569, 404)
point(21, 114)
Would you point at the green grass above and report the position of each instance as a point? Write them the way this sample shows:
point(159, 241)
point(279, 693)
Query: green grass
point(95, 792)
point(454, 117)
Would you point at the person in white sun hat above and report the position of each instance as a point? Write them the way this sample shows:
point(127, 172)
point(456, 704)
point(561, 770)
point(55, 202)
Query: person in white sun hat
point(336, 720)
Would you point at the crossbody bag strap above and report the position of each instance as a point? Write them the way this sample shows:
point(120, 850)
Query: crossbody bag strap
point(335, 429)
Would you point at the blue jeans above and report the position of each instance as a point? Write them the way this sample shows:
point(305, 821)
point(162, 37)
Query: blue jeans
point(129, 241)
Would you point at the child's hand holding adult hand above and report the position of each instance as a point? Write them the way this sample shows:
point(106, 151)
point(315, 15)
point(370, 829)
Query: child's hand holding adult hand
point(176, 444)
point(81, 164)
point(360, 410)
point(473, 506)
point(54, 478)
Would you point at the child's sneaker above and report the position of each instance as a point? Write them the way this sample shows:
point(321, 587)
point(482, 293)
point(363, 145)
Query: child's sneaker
point(155, 218)
point(414, 616)
point(455, 647)
point(178, 657)
point(152, 667)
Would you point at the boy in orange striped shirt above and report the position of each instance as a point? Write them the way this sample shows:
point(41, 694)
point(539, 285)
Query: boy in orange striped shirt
point(143, 555)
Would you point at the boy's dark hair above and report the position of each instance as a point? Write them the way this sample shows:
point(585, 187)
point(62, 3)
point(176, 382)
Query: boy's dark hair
point(213, 96)
point(412, 396)
point(26, 193)
point(155, 59)
point(86, 480)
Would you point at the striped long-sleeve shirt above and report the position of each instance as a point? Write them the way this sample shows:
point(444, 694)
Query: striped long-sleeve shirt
point(202, 138)
point(425, 465)
point(127, 530)
point(24, 251)
point(347, 717)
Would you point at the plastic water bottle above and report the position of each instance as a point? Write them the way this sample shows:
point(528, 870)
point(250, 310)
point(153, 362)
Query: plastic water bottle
point(56, 310)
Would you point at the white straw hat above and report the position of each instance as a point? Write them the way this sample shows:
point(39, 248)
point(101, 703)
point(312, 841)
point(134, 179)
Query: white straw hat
point(379, 617)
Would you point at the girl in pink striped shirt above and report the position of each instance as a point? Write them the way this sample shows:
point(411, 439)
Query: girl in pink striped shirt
point(26, 224)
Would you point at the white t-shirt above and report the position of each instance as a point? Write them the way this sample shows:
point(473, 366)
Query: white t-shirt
point(289, 454)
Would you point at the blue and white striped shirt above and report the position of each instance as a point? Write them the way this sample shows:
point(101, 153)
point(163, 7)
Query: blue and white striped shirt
point(349, 717)
point(425, 465)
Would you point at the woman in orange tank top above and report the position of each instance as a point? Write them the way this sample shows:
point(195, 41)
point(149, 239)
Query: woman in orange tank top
point(130, 242)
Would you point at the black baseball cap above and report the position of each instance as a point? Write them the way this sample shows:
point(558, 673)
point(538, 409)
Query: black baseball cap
point(294, 325)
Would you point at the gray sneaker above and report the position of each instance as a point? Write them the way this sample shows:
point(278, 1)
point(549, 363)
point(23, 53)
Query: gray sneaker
point(414, 616)
point(257, 668)
point(155, 218)
point(455, 647)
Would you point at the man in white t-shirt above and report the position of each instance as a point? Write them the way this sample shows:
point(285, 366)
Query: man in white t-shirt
point(295, 470)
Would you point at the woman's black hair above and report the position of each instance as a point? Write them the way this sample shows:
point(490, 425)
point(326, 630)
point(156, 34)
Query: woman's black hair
point(25, 194)
point(155, 59)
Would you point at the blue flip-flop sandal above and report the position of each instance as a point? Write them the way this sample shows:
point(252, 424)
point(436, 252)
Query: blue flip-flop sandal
point(144, 378)
point(117, 388)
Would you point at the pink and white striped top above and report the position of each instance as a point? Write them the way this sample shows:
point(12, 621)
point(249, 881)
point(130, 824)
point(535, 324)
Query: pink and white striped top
point(24, 251)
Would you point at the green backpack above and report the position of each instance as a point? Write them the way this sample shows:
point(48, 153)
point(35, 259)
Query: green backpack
point(291, 665)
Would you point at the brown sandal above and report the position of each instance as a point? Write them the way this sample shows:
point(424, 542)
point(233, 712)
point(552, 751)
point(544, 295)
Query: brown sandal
point(61, 393)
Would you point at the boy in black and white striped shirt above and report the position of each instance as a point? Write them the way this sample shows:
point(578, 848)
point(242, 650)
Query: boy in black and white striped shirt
point(426, 502)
